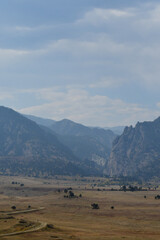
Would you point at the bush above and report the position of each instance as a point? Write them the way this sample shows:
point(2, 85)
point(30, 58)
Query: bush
point(50, 226)
point(71, 194)
point(65, 190)
point(13, 207)
point(157, 197)
point(95, 206)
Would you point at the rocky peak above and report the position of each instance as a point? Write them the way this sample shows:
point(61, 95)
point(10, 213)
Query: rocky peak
point(137, 151)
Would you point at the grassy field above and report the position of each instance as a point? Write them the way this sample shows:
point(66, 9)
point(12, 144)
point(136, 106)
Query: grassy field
point(133, 216)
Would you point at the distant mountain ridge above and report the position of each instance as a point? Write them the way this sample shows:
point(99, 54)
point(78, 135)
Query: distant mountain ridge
point(25, 148)
point(116, 130)
point(137, 151)
point(87, 143)
point(69, 148)
point(40, 121)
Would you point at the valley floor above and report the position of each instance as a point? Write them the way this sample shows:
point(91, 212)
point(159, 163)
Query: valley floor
point(133, 216)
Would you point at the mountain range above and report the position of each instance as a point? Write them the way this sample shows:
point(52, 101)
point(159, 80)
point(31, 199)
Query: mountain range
point(42, 147)
point(33, 146)
point(86, 143)
point(27, 149)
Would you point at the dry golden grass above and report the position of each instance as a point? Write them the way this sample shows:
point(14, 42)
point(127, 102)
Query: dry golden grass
point(133, 217)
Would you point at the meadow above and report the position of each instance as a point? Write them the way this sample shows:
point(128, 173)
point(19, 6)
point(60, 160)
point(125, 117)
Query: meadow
point(40, 204)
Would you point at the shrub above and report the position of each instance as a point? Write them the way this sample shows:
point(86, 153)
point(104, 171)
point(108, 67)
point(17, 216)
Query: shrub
point(13, 207)
point(95, 206)
point(157, 197)
point(71, 194)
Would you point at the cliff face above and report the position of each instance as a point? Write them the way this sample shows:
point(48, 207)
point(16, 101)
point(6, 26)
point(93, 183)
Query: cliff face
point(137, 151)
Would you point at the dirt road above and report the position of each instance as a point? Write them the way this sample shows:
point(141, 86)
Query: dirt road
point(34, 229)
point(24, 211)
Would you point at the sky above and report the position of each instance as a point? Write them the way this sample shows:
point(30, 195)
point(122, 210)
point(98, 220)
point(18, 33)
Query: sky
point(95, 62)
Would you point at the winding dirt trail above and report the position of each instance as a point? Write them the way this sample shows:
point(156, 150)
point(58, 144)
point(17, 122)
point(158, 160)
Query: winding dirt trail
point(24, 211)
point(34, 229)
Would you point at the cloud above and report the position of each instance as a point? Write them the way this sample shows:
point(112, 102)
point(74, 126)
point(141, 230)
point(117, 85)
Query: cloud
point(28, 29)
point(18, 56)
point(93, 110)
point(99, 45)
point(107, 51)
point(147, 18)
point(12, 52)
point(108, 82)
point(155, 14)
point(24, 29)
point(100, 16)
point(4, 95)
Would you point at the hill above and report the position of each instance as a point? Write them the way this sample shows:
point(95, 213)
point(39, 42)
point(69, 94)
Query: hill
point(25, 148)
point(87, 143)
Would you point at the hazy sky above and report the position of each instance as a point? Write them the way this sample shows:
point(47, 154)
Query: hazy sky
point(96, 62)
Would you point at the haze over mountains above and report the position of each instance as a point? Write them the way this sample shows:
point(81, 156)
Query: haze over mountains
point(40, 121)
point(135, 152)
point(27, 149)
point(49, 147)
point(88, 144)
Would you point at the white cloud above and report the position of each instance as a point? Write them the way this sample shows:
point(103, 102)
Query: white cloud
point(155, 14)
point(93, 110)
point(21, 28)
point(148, 18)
point(101, 51)
point(107, 82)
point(99, 15)
point(106, 48)
point(12, 52)
point(100, 46)
point(10, 55)
point(4, 95)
